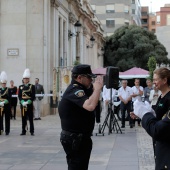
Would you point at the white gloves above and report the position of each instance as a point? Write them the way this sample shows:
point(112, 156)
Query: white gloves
point(25, 104)
point(141, 108)
point(148, 105)
point(2, 103)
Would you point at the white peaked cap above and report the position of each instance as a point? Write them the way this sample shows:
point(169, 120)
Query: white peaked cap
point(26, 73)
point(3, 77)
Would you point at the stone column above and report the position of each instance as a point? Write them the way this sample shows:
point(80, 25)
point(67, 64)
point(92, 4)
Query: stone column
point(85, 56)
point(61, 57)
point(45, 41)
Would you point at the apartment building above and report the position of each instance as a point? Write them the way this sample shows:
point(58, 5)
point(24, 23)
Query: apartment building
point(116, 13)
point(163, 16)
point(152, 22)
point(145, 17)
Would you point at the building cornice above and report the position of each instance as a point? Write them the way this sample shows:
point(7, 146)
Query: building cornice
point(72, 18)
point(56, 4)
point(83, 14)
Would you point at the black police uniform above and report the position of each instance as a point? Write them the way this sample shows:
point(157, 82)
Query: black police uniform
point(5, 96)
point(77, 125)
point(26, 93)
point(13, 91)
point(161, 108)
point(160, 131)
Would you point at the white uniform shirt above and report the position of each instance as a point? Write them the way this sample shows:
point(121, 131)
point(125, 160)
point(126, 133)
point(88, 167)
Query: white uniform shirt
point(125, 93)
point(135, 90)
point(106, 93)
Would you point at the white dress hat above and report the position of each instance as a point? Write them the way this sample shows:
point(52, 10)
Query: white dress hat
point(3, 77)
point(26, 73)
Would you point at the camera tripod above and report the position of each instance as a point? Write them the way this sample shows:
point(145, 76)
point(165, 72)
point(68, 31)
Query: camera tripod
point(110, 120)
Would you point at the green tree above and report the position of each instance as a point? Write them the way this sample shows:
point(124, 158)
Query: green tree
point(151, 65)
point(132, 46)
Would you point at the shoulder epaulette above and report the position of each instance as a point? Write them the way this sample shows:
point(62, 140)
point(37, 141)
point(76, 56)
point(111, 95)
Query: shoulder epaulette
point(75, 85)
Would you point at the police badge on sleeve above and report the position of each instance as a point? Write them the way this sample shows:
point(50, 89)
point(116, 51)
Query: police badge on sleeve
point(79, 93)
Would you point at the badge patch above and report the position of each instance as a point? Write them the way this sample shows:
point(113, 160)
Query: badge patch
point(79, 93)
point(21, 88)
point(160, 104)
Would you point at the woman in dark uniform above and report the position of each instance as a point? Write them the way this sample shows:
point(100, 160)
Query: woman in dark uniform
point(13, 91)
point(163, 103)
point(158, 126)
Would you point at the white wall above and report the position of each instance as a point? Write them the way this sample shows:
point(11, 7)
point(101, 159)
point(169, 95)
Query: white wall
point(163, 35)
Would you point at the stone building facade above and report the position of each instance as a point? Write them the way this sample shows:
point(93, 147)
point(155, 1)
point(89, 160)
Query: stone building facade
point(34, 34)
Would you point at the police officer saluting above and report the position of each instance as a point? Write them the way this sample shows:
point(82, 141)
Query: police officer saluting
point(5, 97)
point(27, 96)
point(76, 111)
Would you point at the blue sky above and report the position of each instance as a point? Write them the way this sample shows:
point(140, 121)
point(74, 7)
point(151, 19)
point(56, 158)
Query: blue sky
point(154, 4)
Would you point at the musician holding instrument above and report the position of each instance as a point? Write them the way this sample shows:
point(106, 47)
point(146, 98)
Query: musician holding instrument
point(27, 96)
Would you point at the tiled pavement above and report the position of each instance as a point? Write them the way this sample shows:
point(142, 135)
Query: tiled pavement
point(131, 150)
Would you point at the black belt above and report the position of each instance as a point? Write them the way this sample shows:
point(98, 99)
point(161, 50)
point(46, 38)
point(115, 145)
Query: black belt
point(73, 133)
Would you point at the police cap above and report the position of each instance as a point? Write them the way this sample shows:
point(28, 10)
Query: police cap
point(83, 69)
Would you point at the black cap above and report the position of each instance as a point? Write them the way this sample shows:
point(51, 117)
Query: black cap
point(83, 69)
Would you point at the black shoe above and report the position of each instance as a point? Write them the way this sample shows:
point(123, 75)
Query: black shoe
point(35, 118)
point(7, 133)
point(123, 126)
point(32, 134)
point(14, 118)
point(39, 118)
point(22, 134)
point(131, 126)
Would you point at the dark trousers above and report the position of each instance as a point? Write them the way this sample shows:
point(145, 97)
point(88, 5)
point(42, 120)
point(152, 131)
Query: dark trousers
point(124, 108)
point(27, 113)
point(7, 114)
point(98, 112)
point(77, 159)
point(14, 111)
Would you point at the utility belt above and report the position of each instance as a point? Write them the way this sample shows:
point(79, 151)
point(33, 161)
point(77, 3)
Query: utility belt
point(75, 138)
point(64, 132)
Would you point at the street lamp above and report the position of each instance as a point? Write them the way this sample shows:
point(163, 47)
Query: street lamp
point(77, 26)
point(92, 39)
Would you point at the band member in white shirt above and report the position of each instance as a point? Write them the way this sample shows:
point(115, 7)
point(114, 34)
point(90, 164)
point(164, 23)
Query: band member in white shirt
point(125, 96)
point(137, 94)
point(106, 98)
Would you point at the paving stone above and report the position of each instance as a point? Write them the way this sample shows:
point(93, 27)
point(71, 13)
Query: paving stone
point(131, 150)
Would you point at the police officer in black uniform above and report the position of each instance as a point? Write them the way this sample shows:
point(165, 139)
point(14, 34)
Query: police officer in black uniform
point(5, 98)
point(76, 110)
point(27, 96)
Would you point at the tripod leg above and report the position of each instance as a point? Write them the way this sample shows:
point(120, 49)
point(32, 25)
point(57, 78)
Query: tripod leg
point(105, 123)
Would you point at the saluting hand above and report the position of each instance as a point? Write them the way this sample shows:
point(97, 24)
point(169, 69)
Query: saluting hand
point(98, 83)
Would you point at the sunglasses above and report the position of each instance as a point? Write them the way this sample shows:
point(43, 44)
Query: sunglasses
point(86, 75)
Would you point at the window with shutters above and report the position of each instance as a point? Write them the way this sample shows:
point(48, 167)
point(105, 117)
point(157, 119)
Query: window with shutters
point(110, 23)
point(110, 8)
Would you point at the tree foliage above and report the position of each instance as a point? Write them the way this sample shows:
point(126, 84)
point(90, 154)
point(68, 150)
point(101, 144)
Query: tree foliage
point(132, 46)
point(151, 65)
